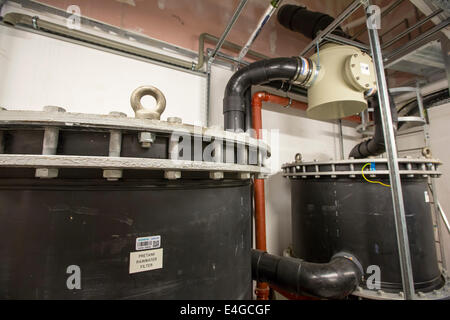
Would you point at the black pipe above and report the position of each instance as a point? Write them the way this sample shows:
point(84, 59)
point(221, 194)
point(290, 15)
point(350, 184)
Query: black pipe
point(333, 280)
point(375, 146)
point(308, 23)
point(286, 86)
point(248, 109)
point(259, 72)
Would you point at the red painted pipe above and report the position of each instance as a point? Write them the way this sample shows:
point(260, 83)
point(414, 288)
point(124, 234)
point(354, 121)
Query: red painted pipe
point(262, 289)
point(261, 96)
point(291, 296)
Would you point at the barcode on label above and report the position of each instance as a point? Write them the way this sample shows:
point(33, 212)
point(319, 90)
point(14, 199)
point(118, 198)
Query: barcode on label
point(145, 243)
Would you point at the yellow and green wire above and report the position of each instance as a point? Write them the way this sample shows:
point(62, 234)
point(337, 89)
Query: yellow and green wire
point(362, 172)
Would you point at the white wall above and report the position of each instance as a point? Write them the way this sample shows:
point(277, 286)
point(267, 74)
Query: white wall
point(38, 71)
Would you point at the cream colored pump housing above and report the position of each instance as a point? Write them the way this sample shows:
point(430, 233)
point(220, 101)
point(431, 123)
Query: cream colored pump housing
point(344, 75)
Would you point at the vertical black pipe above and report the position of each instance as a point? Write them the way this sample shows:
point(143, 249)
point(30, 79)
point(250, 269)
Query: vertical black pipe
point(375, 146)
point(234, 101)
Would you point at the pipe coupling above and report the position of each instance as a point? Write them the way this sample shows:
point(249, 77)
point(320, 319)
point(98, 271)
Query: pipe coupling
point(307, 72)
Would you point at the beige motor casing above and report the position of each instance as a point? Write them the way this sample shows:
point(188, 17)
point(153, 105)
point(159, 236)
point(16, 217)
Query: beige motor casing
point(344, 74)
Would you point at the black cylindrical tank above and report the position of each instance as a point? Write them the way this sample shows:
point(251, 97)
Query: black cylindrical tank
point(335, 209)
point(102, 207)
point(204, 229)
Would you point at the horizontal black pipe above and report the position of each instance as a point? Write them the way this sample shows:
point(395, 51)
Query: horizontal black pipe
point(375, 146)
point(234, 106)
point(306, 22)
point(333, 280)
point(286, 86)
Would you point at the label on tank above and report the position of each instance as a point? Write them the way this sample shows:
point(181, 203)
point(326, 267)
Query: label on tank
point(146, 260)
point(427, 197)
point(145, 243)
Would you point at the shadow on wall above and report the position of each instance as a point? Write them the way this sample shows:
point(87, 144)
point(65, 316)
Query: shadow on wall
point(305, 126)
point(278, 214)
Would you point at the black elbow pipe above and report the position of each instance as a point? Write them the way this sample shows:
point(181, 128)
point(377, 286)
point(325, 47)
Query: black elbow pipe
point(375, 146)
point(333, 280)
point(308, 23)
point(234, 101)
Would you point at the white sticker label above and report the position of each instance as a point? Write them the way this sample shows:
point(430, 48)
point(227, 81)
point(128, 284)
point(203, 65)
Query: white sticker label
point(365, 68)
point(145, 243)
point(146, 260)
point(427, 197)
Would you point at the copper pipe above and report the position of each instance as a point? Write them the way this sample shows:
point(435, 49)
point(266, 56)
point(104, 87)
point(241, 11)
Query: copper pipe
point(283, 101)
point(262, 288)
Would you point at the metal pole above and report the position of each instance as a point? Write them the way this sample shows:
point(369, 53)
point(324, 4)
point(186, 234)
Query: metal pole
point(219, 44)
point(345, 41)
point(341, 139)
point(383, 14)
point(208, 94)
point(394, 174)
point(439, 214)
point(444, 217)
point(262, 21)
point(437, 208)
point(420, 38)
point(230, 24)
point(412, 28)
point(420, 102)
point(344, 15)
point(445, 46)
point(227, 57)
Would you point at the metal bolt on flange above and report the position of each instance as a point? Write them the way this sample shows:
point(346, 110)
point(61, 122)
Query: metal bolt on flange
point(118, 114)
point(146, 139)
point(380, 292)
point(216, 175)
point(53, 109)
point(112, 174)
point(245, 176)
point(46, 173)
point(421, 294)
point(172, 175)
point(174, 120)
